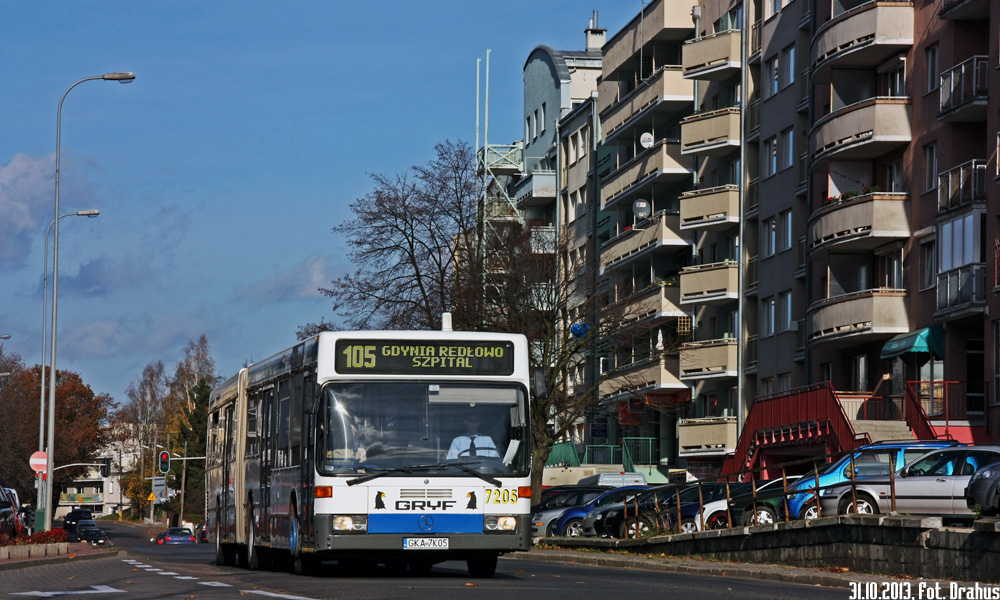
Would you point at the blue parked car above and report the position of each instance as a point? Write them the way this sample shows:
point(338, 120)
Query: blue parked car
point(868, 460)
point(570, 523)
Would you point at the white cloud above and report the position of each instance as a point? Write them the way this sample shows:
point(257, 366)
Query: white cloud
point(299, 281)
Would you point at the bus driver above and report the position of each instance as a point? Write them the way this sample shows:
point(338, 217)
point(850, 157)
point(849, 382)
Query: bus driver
point(471, 443)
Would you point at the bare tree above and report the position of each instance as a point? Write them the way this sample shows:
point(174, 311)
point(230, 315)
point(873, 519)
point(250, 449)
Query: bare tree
point(403, 240)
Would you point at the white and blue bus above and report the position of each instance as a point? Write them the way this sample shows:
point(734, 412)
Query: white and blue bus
point(363, 446)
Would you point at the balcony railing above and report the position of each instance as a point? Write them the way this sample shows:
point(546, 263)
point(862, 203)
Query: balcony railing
point(754, 117)
point(715, 132)
point(750, 353)
point(873, 312)
point(753, 195)
point(962, 185)
point(966, 82)
point(712, 57)
point(707, 436)
point(502, 158)
point(751, 276)
point(962, 287)
point(755, 44)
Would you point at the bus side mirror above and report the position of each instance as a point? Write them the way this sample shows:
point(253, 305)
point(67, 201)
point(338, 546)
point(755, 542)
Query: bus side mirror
point(538, 382)
point(311, 395)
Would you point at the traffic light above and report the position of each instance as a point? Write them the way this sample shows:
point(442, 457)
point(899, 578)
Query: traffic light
point(106, 466)
point(164, 461)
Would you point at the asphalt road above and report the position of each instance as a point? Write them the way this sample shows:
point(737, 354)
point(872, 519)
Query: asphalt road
point(151, 571)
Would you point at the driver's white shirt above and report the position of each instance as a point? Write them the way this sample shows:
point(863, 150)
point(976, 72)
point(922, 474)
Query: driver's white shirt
point(484, 446)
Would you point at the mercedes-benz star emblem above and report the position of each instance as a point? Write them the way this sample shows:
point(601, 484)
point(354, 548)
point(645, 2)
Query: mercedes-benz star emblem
point(425, 522)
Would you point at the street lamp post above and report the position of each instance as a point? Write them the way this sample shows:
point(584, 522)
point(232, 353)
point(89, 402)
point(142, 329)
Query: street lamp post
point(124, 77)
point(90, 213)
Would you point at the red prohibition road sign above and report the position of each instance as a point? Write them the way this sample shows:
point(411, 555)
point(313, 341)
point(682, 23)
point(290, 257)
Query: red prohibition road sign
point(38, 460)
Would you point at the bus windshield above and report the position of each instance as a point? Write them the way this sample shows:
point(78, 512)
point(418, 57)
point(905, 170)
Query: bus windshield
point(410, 428)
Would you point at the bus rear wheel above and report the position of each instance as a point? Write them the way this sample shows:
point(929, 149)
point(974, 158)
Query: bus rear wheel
point(482, 566)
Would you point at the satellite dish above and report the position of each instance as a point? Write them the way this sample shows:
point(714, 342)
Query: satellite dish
point(640, 208)
point(646, 140)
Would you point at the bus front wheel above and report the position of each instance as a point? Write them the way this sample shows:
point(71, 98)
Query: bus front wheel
point(483, 566)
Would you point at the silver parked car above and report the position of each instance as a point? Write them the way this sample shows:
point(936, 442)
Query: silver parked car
point(933, 484)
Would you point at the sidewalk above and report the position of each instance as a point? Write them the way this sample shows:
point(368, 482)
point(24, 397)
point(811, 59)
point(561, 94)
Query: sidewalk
point(830, 577)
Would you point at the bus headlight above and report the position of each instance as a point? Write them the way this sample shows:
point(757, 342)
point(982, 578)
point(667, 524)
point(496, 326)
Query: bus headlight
point(494, 523)
point(350, 523)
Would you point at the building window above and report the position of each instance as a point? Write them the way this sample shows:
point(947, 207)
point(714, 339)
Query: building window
point(541, 119)
point(774, 7)
point(859, 373)
point(785, 311)
point(770, 159)
point(770, 237)
point(826, 372)
point(527, 128)
point(773, 76)
point(930, 167)
point(894, 176)
point(890, 270)
point(534, 125)
point(788, 66)
point(767, 318)
point(767, 386)
point(787, 148)
point(928, 265)
point(893, 82)
point(960, 242)
point(784, 237)
point(933, 73)
point(784, 382)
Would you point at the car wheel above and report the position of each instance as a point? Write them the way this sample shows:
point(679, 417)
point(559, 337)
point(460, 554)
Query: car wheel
point(810, 511)
point(764, 516)
point(719, 520)
point(688, 525)
point(866, 506)
point(573, 528)
point(634, 528)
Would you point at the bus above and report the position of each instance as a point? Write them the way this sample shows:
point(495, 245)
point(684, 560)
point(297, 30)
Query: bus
point(364, 446)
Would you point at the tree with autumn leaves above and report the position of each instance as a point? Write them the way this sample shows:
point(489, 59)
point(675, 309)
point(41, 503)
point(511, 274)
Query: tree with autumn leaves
point(80, 424)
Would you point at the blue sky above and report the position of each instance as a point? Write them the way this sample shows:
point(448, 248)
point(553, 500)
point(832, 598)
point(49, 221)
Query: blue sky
point(219, 173)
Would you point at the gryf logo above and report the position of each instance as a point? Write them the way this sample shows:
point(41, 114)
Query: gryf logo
point(379, 504)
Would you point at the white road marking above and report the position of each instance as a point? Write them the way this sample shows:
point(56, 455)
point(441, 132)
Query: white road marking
point(214, 584)
point(95, 589)
point(187, 577)
point(167, 573)
point(273, 595)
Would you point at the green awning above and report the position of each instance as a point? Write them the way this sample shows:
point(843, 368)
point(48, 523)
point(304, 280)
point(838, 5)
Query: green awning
point(926, 340)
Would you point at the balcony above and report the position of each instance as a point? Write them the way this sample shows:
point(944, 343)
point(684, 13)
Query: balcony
point(858, 317)
point(965, 9)
point(864, 36)
point(660, 22)
point(962, 186)
point(543, 239)
point(656, 301)
point(753, 198)
point(714, 57)
point(661, 162)
point(646, 375)
point(501, 159)
point(711, 359)
point(711, 209)
point(965, 91)
point(861, 223)
point(660, 230)
point(714, 133)
point(710, 436)
point(710, 284)
point(751, 278)
point(537, 189)
point(960, 290)
point(667, 85)
point(861, 131)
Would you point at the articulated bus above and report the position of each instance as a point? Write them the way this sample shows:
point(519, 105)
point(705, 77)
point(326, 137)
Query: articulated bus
point(363, 446)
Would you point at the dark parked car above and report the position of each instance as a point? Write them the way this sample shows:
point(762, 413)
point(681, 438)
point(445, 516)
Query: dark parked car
point(8, 512)
point(982, 490)
point(566, 496)
point(94, 537)
point(570, 522)
point(770, 505)
point(202, 532)
point(159, 537)
point(650, 510)
point(71, 518)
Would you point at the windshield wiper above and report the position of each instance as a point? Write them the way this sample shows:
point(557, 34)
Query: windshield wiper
point(462, 466)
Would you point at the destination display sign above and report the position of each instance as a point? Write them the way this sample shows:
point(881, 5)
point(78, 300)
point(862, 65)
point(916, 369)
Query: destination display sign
point(424, 357)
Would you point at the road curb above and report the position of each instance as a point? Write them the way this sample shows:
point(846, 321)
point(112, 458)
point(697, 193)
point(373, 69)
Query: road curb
point(24, 563)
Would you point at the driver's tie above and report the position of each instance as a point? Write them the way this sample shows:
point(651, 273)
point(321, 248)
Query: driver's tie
point(472, 445)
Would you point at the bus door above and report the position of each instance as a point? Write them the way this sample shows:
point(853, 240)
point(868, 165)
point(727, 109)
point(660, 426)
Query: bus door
point(266, 461)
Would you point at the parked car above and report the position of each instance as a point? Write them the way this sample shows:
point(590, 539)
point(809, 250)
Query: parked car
point(566, 496)
point(159, 538)
point(769, 505)
point(648, 510)
point(982, 490)
point(179, 535)
point(71, 518)
point(570, 521)
point(202, 532)
point(553, 507)
point(18, 517)
point(933, 484)
point(873, 459)
point(94, 537)
point(8, 512)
